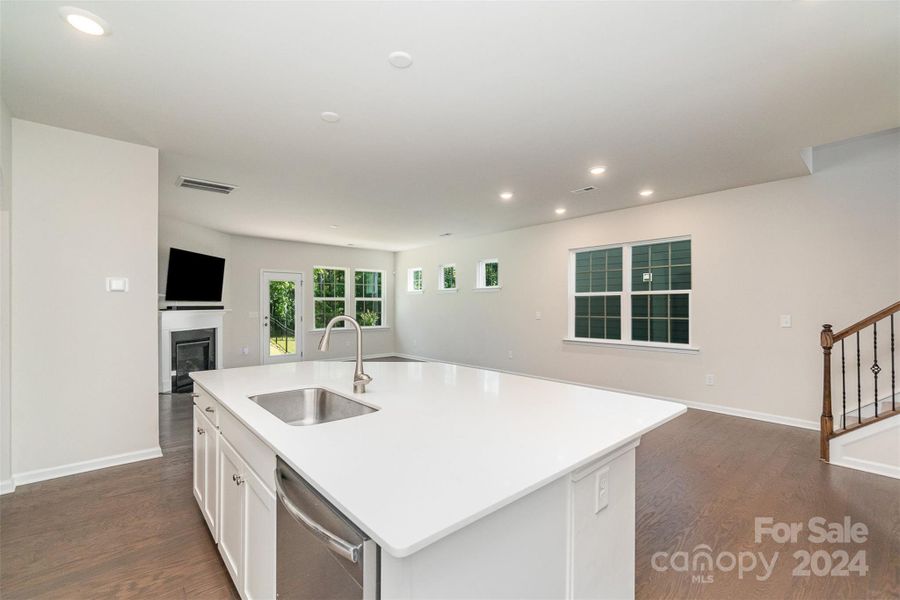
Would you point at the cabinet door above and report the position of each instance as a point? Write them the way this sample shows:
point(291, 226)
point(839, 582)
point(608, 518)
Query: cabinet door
point(199, 458)
point(259, 540)
point(211, 458)
point(231, 513)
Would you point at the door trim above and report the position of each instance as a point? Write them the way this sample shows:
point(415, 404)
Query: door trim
point(264, 357)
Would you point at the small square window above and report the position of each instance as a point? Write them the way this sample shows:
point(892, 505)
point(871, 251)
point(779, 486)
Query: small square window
point(447, 277)
point(488, 275)
point(414, 281)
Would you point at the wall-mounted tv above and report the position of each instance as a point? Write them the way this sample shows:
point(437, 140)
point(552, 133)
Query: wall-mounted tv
point(194, 277)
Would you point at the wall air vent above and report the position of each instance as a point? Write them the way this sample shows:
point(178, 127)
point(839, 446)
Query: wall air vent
point(205, 185)
point(584, 190)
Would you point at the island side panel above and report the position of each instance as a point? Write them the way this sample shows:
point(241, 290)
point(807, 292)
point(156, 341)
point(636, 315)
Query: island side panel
point(553, 543)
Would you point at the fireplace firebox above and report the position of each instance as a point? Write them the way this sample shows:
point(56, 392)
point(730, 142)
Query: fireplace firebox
point(193, 350)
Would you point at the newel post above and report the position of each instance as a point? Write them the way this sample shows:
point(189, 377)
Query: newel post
point(827, 423)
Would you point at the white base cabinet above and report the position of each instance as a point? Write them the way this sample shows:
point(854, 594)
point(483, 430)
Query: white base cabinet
point(236, 501)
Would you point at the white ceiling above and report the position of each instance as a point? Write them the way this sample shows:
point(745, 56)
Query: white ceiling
point(685, 98)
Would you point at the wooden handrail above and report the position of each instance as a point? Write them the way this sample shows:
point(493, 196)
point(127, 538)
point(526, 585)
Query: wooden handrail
point(848, 331)
point(827, 340)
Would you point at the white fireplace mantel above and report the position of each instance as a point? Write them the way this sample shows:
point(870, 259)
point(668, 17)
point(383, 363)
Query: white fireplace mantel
point(185, 320)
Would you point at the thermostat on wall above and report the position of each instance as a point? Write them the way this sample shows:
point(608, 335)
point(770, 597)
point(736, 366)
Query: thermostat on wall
point(116, 284)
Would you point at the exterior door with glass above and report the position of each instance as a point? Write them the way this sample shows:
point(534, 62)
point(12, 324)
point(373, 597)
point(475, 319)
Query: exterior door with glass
point(281, 318)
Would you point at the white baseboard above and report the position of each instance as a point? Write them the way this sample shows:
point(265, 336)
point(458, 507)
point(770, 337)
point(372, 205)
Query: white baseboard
point(84, 466)
point(7, 486)
point(716, 408)
point(867, 466)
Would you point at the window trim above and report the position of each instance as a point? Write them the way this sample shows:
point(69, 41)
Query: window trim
point(312, 290)
point(481, 275)
point(382, 299)
point(625, 304)
point(441, 287)
point(409, 280)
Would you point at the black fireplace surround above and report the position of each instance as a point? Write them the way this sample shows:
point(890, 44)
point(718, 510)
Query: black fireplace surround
point(193, 350)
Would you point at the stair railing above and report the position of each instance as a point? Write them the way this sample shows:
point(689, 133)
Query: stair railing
point(828, 339)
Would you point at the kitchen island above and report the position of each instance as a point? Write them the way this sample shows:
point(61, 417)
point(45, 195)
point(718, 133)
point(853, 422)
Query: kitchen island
point(469, 482)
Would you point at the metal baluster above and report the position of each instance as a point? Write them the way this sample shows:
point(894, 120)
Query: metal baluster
point(858, 384)
point(843, 388)
point(875, 368)
point(893, 372)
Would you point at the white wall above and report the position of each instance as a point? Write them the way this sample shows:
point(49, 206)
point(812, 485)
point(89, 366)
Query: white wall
point(824, 248)
point(245, 257)
point(5, 222)
point(85, 363)
point(250, 255)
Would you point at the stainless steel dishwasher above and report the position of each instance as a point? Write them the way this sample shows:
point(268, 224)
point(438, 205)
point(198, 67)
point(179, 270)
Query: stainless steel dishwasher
point(320, 554)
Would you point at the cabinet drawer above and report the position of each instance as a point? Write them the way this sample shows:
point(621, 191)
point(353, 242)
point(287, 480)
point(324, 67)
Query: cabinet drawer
point(255, 453)
point(207, 404)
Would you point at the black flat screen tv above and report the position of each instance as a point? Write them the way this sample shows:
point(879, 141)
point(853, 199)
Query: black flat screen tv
point(194, 277)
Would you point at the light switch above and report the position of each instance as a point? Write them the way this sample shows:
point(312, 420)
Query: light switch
point(253, 314)
point(537, 315)
point(785, 320)
point(116, 284)
point(601, 498)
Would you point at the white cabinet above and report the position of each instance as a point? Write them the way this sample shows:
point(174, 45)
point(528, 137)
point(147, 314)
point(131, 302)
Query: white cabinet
point(231, 514)
point(246, 526)
point(206, 441)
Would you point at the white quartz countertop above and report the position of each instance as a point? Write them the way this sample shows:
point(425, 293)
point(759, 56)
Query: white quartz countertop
point(447, 446)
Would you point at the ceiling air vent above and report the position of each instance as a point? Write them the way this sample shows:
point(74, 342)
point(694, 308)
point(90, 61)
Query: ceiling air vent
point(584, 190)
point(205, 185)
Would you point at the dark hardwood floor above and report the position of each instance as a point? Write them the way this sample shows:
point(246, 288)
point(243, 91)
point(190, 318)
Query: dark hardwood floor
point(135, 531)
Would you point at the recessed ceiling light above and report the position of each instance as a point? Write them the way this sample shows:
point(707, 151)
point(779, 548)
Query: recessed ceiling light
point(445, 235)
point(331, 117)
point(506, 195)
point(598, 170)
point(84, 21)
point(349, 244)
point(560, 211)
point(333, 226)
point(646, 193)
point(401, 60)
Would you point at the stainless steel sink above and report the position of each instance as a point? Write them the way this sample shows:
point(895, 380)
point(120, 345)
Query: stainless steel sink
point(311, 406)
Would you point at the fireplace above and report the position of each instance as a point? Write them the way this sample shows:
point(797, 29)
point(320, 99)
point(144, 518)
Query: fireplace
point(192, 350)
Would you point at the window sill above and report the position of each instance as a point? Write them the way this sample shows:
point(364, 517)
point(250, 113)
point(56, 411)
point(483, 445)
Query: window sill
point(676, 348)
point(416, 292)
point(448, 291)
point(337, 329)
point(495, 288)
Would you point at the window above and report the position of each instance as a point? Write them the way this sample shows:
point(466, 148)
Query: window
point(447, 278)
point(488, 275)
point(328, 295)
point(637, 293)
point(369, 297)
point(414, 280)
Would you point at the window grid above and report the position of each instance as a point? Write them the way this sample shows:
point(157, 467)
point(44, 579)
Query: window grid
point(368, 298)
point(329, 289)
point(414, 281)
point(639, 328)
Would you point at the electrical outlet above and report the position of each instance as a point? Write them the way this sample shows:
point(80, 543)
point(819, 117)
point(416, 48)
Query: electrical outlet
point(710, 379)
point(509, 354)
point(601, 489)
point(245, 350)
point(537, 315)
point(785, 320)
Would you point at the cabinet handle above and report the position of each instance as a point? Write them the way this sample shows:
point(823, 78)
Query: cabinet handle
point(237, 479)
point(195, 395)
point(209, 409)
point(200, 431)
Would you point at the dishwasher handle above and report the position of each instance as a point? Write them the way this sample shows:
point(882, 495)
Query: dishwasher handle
point(339, 545)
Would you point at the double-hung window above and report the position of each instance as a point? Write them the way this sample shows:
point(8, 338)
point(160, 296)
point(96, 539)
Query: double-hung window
point(328, 295)
point(636, 293)
point(369, 297)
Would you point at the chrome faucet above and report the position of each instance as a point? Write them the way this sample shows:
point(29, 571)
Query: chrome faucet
point(360, 379)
